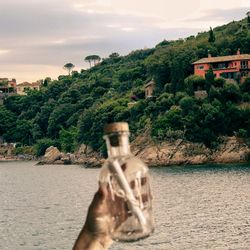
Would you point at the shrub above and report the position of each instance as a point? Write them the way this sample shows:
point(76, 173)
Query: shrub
point(24, 150)
point(246, 97)
point(174, 134)
point(219, 82)
point(171, 120)
point(187, 104)
point(231, 92)
point(43, 144)
point(193, 83)
point(242, 133)
point(245, 87)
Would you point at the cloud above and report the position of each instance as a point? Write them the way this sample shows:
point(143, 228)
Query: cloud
point(4, 51)
point(128, 29)
point(49, 35)
point(93, 7)
point(52, 33)
point(30, 72)
point(220, 15)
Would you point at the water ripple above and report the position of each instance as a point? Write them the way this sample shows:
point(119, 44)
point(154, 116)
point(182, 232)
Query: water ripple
point(201, 207)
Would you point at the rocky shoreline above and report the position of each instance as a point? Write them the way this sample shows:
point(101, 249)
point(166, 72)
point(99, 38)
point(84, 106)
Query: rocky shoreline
point(84, 156)
point(179, 152)
point(4, 158)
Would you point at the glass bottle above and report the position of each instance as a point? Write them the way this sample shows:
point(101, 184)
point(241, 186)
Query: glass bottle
point(128, 182)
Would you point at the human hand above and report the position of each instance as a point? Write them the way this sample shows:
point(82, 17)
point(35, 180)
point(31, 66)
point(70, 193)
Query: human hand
point(105, 214)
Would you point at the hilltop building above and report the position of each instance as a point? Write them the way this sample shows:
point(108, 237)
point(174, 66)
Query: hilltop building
point(149, 89)
point(22, 87)
point(235, 67)
point(7, 85)
point(7, 88)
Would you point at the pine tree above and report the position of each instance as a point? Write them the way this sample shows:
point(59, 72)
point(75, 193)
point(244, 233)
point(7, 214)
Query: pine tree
point(248, 19)
point(69, 67)
point(211, 38)
point(209, 76)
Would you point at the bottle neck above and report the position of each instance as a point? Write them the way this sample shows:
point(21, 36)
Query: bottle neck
point(117, 144)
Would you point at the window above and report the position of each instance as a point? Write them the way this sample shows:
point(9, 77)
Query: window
point(200, 67)
point(244, 64)
point(221, 66)
point(229, 75)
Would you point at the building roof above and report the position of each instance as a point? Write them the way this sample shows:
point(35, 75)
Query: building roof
point(223, 58)
point(152, 82)
point(7, 79)
point(27, 84)
point(24, 84)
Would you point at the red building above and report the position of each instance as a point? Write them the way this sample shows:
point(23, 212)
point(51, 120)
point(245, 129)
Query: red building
point(235, 67)
point(7, 85)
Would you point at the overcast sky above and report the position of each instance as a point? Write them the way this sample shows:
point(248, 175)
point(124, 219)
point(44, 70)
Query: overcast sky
point(39, 36)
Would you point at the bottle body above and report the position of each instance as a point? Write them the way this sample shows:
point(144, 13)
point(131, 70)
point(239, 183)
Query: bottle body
point(127, 225)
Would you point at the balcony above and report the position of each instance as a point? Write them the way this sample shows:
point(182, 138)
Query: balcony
point(225, 68)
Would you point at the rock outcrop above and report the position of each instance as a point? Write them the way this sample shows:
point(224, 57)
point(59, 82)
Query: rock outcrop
point(52, 154)
point(232, 150)
point(179, 152)
point(84, 156)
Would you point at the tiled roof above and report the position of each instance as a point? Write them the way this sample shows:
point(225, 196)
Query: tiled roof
point(149, 83)
point(223, 59)
point(27, 84)
point(24, 84)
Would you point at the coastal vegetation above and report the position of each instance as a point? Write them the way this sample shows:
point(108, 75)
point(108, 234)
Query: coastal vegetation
point(73, 109)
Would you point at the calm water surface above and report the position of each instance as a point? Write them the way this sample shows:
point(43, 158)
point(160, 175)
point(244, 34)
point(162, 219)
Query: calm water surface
point(202, 207)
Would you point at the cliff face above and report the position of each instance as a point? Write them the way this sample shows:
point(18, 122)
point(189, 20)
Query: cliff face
point(180, 152)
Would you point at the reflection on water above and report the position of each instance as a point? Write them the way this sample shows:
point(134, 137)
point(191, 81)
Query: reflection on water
point(196, 207)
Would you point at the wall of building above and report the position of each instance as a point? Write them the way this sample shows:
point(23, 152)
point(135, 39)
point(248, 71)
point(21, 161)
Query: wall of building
point(149, 91)
point(201, 72)
point(22, 88)
point(233, 67)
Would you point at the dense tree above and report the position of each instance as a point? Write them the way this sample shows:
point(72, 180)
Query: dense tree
point(7, 122)
point(67, 139)
point(58, 118)
point(22, 132)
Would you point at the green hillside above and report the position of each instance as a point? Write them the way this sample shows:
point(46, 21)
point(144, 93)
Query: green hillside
point(73, 109)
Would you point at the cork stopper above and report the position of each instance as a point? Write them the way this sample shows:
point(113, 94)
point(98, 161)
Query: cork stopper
point(116, 127)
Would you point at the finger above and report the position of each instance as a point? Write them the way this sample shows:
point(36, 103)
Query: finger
point(143, 181)
point(103, 190)
point(124, 166)
point(144, 198)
